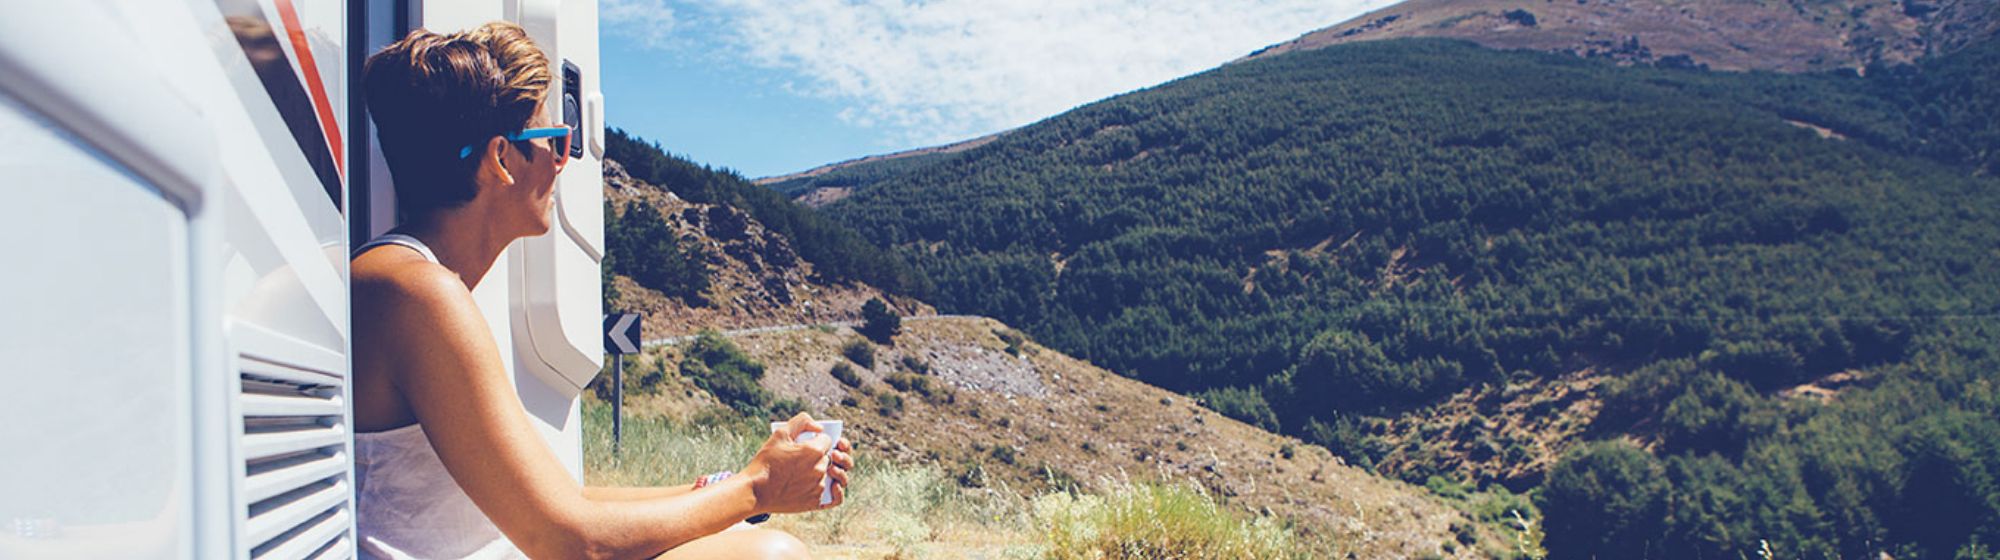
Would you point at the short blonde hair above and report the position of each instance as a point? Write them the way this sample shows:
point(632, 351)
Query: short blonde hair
point(432, 94)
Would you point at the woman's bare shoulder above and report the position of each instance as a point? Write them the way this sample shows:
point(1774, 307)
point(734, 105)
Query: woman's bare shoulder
point(404, 301)
point(399, 277)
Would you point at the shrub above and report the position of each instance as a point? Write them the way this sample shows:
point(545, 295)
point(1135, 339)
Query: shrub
point(1004, 454)
point(1522, 17)
point(716, 365)
point(889, 404)
point(786, 408)
point(903, 381)
point(910, 382)
point(1012, 338)
point(845, 373)
point(860, 352)
point(879, 322)
point(916, 365)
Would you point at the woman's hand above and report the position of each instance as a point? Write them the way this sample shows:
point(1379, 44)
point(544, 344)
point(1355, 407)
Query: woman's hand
point(839, 462)
point(786, 474)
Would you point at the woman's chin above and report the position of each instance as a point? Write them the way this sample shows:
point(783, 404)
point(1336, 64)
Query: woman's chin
point(546, 220)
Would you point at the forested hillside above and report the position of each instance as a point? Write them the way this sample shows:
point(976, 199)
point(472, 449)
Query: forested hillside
point(1321, 241)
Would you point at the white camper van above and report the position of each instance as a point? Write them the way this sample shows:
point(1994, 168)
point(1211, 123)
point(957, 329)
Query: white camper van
point(183, 180)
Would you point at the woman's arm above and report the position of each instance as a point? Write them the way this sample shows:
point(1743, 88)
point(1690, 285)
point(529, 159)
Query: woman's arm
point(446, 365)
point(629, 493)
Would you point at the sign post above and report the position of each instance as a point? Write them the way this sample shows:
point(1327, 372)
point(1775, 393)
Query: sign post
point(621, 337)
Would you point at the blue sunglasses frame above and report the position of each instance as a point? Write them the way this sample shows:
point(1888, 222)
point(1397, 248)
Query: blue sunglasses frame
point(530, 134)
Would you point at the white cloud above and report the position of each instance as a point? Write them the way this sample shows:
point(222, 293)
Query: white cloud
point(931, 71)
point(651, 22)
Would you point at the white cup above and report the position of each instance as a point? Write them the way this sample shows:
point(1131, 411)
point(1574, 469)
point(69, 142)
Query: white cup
point(832, 428)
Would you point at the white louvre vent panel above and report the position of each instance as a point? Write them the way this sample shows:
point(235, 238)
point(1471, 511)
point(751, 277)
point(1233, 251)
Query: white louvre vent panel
point(292, 473)
point(295, 497)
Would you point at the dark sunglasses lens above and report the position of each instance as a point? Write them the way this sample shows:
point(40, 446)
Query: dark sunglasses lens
point(561, 144)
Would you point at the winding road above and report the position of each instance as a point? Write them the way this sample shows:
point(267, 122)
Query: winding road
point(673, 340)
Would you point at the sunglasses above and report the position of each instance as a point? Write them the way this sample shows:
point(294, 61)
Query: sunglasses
point(559, 139)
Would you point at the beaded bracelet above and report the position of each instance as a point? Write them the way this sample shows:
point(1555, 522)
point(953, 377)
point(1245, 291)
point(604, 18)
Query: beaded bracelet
point(711, 479)
point(717, 477)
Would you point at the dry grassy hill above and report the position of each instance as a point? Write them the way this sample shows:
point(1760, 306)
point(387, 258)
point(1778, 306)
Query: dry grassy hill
point(1780, 35)
point(997, 411)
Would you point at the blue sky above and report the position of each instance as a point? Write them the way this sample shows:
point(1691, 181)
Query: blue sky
point(768, 87)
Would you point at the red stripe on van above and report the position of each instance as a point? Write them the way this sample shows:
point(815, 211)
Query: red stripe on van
point(321, 104)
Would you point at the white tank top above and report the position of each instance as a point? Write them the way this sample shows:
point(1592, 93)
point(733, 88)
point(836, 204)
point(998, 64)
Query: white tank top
point(408, 506)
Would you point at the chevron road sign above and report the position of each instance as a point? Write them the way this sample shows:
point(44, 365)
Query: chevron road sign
point(621, 333)
point(621, 337)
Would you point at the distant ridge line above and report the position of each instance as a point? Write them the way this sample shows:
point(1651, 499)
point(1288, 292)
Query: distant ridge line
point(951, 148)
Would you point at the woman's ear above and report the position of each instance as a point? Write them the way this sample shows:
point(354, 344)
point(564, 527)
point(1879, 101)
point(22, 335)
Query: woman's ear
point(493, 171)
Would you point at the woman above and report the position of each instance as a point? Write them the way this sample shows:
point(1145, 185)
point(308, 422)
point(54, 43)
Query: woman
point(448, 465)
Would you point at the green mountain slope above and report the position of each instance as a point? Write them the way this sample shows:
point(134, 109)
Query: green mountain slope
point(1320, 239)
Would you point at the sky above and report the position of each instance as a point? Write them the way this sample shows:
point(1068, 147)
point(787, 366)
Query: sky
point(768, 87)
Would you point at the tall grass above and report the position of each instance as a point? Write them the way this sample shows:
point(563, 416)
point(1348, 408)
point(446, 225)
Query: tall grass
point(919, 511)
point(907, 509)
point(1145, 521)
point(656, 452)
